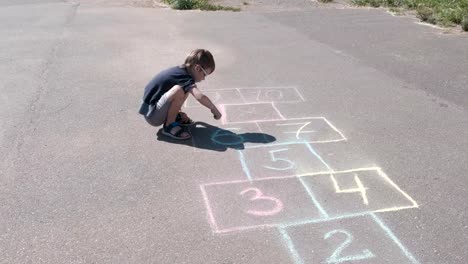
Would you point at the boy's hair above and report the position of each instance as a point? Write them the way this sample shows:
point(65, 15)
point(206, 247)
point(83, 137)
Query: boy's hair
point(202, 57)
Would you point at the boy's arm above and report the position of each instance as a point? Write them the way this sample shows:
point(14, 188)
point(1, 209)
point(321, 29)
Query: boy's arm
point(205, 101)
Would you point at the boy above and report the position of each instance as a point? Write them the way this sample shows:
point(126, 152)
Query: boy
point(167, 91)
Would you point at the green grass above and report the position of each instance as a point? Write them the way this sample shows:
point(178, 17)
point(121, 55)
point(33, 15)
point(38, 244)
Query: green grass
point(198, 4)
point(441, 12)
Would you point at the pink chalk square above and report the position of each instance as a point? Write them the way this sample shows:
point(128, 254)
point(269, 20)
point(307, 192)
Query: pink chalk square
point(312, 130)
point(241, 205)
point(276, 94)
point(273, 161)
point(246, 113)
point(357, 191)
point(222, 96)
point(360, 239)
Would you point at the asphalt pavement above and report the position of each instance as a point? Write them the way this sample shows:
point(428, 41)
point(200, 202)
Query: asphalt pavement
point(343, 140)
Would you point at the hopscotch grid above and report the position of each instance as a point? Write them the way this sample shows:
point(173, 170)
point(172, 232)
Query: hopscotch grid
point(394, 238)
point(279, 113)
point(322, 211)
point(290, 245)
point(238, 90)
point(322, 220)
point(324, 215)
point(241, 95)
point(224, 122)
point(266, 88)
point(311, 195)
point(253, 121)
point(383, 175)
point(334, 128)
point(250, 88)
point(259, 128)
point(244, 166)
point(243, 228)
point(288, 224)
point(302, 97)
point(360, 188)
point(267, 178)
point(213, 90)
point(311, 149)
point(308, 174)
point(343, 138)
point(377, 220)
point(252, 103)
point(214, 226)
point(395, 208)
point(222, 109)
point(335, 183)
point(292, 143)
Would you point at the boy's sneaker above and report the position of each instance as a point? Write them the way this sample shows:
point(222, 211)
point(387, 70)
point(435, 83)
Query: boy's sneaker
point(188, 122)
point(176, 131)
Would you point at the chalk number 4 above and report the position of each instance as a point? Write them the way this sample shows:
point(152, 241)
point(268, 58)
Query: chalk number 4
point(336, 258)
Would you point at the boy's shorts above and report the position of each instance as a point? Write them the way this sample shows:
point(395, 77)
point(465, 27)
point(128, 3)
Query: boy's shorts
point(157, 114)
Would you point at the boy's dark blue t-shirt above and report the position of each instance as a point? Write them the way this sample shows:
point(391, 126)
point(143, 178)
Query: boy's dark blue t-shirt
point(162, 83)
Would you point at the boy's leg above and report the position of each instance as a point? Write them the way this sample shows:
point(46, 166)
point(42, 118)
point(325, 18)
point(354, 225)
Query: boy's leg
point(169, 103)
point(176, 97)
point(164, 113)
point(182, 117)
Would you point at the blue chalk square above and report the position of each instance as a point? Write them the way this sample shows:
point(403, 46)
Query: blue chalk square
point(272, 161)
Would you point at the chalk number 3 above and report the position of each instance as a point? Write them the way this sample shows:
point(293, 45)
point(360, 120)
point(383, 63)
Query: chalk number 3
point(336, 258)
point(258, 195)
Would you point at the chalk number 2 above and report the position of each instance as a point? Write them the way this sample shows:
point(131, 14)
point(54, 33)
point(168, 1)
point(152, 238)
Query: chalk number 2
point(336, 258)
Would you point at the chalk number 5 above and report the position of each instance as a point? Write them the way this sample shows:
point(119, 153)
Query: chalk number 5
point(287, 164)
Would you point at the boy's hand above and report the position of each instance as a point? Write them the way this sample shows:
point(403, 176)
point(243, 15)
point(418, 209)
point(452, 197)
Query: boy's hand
point(216, 114)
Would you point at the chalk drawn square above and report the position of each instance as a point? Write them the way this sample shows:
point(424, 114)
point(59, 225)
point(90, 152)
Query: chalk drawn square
point(273, 94)
point(311, 130)
point(248, 113)
point(273, 161)
point(357, 191)
point(240, 205)
point(230, 136)
point(221, 96)
point(362, 239)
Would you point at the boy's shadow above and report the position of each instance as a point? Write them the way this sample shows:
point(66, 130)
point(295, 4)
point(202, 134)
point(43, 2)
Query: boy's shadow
point(206, 136)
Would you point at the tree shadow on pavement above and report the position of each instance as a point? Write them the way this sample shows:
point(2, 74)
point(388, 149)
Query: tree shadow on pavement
point(206, 136)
